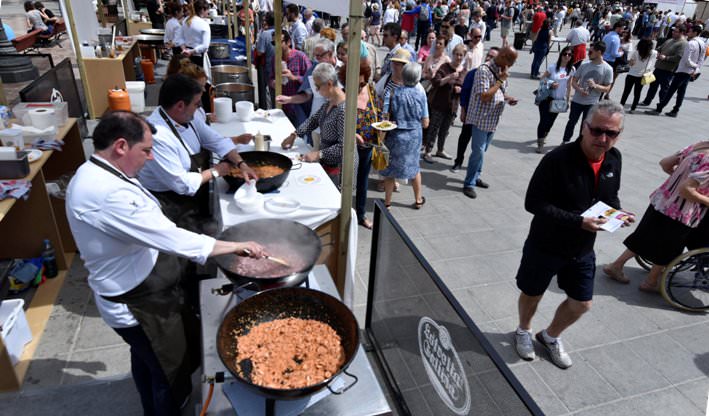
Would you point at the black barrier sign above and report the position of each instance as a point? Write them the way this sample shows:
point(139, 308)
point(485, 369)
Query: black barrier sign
point(443, 365)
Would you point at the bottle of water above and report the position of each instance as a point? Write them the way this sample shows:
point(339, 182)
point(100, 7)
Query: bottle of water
point(49, 260)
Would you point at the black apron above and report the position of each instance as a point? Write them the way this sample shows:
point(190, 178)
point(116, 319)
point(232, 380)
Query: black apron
point(187, 211)
point(159, 307)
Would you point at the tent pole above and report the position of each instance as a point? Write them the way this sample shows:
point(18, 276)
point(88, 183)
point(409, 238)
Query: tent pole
point(351, 89)
point(247, 34)
point(277, 36)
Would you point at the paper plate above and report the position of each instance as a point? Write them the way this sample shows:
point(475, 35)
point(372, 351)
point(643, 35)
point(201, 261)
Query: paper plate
point(384, 125)
point(281, 205)
point(34, 155)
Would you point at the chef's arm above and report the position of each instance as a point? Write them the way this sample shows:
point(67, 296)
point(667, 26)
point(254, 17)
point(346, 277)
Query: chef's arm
point(246, 248)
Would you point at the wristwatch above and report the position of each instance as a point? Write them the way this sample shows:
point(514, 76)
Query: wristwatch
point(215, 173)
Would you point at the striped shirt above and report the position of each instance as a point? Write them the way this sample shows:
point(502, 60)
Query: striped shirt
point(486, 115)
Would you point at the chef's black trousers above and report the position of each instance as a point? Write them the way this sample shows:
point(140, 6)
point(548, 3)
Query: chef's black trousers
point(148, 375)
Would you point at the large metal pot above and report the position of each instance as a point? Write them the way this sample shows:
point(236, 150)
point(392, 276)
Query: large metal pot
point(218, 50)
point(230, 73)
point(301, 241)
point(263, 185)
point(292, 302)
point(237, 92)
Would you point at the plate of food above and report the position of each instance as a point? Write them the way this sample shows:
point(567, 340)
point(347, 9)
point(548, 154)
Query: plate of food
point(308, 179)
point(34, 155)
point(384, 125)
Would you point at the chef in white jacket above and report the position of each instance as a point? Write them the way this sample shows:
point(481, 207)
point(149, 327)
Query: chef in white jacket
point(131, 252)
point(180, 170)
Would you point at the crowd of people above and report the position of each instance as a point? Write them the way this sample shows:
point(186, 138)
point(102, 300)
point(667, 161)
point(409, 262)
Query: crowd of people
point(154, 172)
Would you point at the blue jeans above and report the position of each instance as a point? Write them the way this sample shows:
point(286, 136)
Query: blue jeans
point(479, 143)
point(539, 56)
point(574, 114)
point(365, 164)
point(679, 85)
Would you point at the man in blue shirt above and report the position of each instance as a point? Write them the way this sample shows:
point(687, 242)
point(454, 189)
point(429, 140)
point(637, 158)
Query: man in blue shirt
point(423, 23)
point(613, 53)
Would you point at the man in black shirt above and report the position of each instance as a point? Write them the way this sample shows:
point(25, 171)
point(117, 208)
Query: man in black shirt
point(567, 181)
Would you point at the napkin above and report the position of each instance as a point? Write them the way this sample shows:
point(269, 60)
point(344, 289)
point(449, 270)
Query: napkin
point(48, 144)
point(15, 188)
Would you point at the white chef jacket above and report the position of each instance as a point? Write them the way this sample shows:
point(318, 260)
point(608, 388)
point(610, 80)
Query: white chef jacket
point(173, 32)
point(119, 229)
point(197, 34)
point(169, 170)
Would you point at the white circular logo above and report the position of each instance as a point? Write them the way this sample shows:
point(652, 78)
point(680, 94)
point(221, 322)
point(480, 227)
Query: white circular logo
point(443, 365)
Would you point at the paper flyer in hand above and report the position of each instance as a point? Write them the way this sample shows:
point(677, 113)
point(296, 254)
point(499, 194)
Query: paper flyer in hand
point(615, 217)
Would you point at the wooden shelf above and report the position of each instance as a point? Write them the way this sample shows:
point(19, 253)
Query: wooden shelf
point(24, 224)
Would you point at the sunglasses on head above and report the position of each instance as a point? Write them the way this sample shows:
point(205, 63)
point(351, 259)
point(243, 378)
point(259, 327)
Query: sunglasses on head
point(596, 132)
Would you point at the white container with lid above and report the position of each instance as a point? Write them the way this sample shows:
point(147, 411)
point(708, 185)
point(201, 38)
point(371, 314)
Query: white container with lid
point(12, 138)
point(136, 92)
point(244, 110)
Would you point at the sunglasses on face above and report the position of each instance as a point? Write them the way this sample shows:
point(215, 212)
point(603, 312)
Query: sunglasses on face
point(596, 132)
point(566, 54)
point(477, 37)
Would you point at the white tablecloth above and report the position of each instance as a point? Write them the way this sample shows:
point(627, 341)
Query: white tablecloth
point(307, 183)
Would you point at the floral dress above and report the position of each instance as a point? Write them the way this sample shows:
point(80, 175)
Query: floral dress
point(693, 164)
point(407, 107)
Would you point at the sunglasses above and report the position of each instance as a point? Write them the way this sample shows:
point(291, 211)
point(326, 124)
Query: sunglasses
point(596, 132)
point(566, 54)
point(477, 37)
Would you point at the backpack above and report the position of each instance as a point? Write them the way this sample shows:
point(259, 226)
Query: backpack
point(424, 12)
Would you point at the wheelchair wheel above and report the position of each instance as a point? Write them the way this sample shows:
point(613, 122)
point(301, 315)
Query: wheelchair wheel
point(644, 263)
point(685, 281)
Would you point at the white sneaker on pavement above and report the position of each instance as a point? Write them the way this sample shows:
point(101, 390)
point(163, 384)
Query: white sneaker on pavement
point(556, 352)
point(524, 346)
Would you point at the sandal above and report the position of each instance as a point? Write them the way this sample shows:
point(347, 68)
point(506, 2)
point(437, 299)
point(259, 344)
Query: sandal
point(645, 287)
point(619, 277)
point(366, 223)
point(418, 205)
point(388, 207)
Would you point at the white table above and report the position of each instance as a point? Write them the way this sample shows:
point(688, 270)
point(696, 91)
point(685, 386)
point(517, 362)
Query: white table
point(319, 199)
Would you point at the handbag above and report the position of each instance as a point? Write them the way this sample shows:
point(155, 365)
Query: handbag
point(648, 77)
point(559, 106)
point(622, 68)
point(380, 153)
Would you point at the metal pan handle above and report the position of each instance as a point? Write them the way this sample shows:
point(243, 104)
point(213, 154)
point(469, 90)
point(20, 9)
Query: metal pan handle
point(344, 389)
point(297, 166)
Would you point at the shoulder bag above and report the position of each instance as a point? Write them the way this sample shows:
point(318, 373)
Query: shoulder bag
point(380, 153)
point(648, 77)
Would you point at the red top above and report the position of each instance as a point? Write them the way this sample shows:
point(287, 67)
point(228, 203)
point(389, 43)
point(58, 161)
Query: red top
point(596, 166)
point(407, 22)
point(537, 20)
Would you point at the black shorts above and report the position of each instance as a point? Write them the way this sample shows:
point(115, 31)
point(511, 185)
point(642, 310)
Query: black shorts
point(574, 275)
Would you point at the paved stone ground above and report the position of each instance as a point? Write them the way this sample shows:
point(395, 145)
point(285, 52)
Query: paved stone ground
point(633, 354)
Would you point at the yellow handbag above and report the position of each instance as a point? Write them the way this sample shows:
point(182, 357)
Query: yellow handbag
point(648, 78)
point(380, 153)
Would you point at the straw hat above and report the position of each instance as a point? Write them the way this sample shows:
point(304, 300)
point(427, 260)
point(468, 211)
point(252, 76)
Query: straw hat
point(401, 55)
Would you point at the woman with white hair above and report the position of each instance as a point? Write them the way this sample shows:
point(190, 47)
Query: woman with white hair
point(331, 120)
point(407, 107)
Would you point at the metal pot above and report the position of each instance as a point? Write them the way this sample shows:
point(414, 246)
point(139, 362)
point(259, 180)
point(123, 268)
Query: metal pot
point(218, 50)
point(237, 92)
point(264, 185)
point(292, 302)
point(301, 240)
point(230, 73)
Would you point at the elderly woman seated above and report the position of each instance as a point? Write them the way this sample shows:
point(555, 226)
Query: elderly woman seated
point(331, 120)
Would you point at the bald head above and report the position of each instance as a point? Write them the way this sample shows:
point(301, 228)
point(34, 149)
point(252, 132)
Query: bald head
point(475, 35)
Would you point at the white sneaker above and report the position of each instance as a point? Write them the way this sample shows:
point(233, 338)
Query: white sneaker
point(556, 352)
point(524, 346)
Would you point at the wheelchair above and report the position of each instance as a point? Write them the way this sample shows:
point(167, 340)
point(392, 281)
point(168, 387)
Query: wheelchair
point(684, 283)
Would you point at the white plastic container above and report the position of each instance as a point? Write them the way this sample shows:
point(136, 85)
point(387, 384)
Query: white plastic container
point(61, 111)
point(136, 92)
point(15, 330)
point(244, 110)
point(12, 138)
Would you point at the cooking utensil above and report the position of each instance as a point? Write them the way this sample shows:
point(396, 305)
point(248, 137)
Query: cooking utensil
point(263, 185)
point(230, 73)
point(293, 302)
point(236, 91)
point(273, 259)
point(301, 240)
